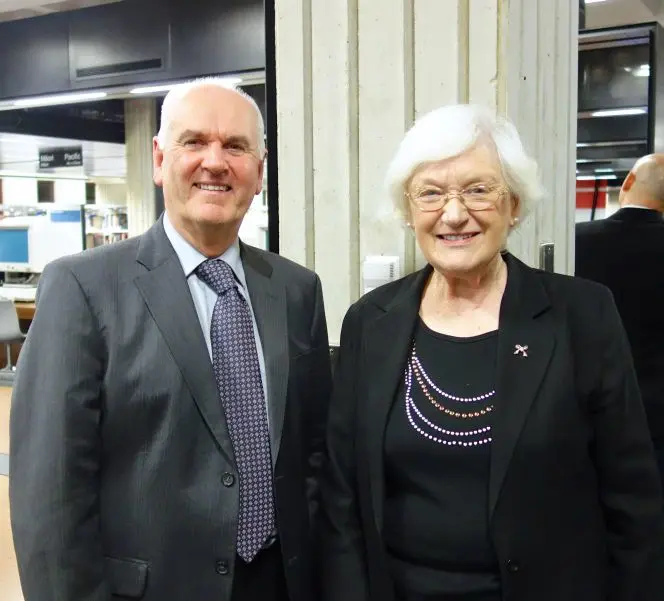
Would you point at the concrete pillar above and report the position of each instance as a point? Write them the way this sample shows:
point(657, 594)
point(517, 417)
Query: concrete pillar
point(351, 77)
point(140, 127)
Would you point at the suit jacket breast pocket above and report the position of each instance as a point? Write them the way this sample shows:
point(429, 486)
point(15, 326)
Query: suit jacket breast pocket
point(127, 577)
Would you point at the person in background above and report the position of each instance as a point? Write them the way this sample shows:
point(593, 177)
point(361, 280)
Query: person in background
point(169, 408)
point(625, 252)
point(486, 437)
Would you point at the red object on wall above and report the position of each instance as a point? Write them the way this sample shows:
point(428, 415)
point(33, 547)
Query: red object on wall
point(585, 190)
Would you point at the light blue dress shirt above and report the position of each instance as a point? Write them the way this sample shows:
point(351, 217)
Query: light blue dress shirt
point(204, 297)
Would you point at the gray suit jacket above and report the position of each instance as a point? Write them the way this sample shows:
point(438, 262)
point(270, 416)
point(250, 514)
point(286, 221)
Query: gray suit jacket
point(123, 482)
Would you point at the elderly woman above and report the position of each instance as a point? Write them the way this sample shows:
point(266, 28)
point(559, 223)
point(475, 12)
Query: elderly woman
point(486, 438)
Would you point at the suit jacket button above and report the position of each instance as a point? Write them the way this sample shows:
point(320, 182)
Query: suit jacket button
point(228, 480)
point(221, 567)
point(512, 566)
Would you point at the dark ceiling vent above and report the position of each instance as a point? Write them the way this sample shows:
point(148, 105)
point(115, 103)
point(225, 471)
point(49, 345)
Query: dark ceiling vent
point(151, 64)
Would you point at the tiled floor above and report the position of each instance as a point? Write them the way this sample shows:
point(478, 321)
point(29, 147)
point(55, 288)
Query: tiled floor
point(10, 589)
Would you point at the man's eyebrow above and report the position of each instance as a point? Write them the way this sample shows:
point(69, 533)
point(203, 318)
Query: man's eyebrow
point(238, 138)
point(190, 133)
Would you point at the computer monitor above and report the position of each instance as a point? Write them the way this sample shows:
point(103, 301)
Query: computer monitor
point(14, 253)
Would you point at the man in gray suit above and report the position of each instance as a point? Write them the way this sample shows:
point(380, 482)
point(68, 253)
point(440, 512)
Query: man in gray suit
point(168, 411)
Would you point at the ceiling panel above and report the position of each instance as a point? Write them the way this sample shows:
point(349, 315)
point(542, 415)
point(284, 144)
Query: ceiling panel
point(11, 10)
point(614, 13)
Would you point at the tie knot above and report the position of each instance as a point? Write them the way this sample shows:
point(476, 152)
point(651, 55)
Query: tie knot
point(217, 274)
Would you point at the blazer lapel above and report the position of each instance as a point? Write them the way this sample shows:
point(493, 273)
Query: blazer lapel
point(386, 346)
point(268, 300)
point(526, 341)
point(166, 293)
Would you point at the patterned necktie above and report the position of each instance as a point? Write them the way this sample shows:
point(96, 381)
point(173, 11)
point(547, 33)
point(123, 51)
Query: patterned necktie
point(237, 372)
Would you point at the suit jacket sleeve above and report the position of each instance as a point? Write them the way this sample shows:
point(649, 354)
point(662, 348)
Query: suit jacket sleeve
point(320, 379)
point(629, 483)
point(55, 447)
point(344, 571)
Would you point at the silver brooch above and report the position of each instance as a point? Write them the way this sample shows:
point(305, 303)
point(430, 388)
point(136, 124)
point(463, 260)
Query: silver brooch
point(521, 349)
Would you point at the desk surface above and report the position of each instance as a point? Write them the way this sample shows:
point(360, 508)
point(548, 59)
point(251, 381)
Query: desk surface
point(25, 310)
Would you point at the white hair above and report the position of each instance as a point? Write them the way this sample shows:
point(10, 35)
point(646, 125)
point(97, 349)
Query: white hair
point(452, 130)
point(178, 93)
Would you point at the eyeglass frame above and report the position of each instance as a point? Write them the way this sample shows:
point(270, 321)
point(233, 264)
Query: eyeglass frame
point(432, 207)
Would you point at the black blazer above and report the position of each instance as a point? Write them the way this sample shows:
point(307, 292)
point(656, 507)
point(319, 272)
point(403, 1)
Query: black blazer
point(574, 492)
point(625, 252)
point(123, 481)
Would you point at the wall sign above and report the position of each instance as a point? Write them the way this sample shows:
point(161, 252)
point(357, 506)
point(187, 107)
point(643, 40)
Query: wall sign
point(71, 156)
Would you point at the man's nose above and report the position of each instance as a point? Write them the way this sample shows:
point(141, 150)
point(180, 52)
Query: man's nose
point(215, 157)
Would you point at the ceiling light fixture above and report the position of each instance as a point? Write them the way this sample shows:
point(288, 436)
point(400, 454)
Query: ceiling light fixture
point(59, 99)
point(230, 81)
point(642, 71)
point(619, 112)
point(595, 177)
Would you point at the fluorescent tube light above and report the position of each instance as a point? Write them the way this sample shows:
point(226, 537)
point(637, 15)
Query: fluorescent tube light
point(59, 99)
point(230, 81)
point(618, 112)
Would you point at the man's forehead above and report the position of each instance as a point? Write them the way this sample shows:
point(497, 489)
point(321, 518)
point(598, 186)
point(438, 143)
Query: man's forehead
point(213, 101)
point(215, 114)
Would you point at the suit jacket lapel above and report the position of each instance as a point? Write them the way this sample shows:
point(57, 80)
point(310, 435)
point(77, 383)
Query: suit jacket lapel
point(387, 343)
point(268, 300)
point(167, 296)
point(524, 322)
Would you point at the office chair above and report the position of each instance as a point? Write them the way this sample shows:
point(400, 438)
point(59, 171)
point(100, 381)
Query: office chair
point(10, 330)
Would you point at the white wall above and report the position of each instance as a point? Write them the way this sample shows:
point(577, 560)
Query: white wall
point(69, 191)
point(23, 191)
point(254, 226)
point(615, 13)
point(19, 191)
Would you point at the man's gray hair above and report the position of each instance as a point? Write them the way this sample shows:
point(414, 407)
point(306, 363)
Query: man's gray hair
point(177, 93)
point(452, 130)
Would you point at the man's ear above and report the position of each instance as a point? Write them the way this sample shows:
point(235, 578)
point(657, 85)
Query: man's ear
point(157, 162)
point(261, 170)
point(629, 182)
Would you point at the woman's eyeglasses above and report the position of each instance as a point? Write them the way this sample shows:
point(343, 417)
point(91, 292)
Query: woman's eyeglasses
point(476, 197)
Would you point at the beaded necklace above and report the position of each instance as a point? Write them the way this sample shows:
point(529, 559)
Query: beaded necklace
point(431, 431)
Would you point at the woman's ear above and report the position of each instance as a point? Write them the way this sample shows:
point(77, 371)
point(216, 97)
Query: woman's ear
point(515, 208)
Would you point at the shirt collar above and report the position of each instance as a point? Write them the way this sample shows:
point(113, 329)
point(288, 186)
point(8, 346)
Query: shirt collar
point(190, 258)
point(628, 206)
